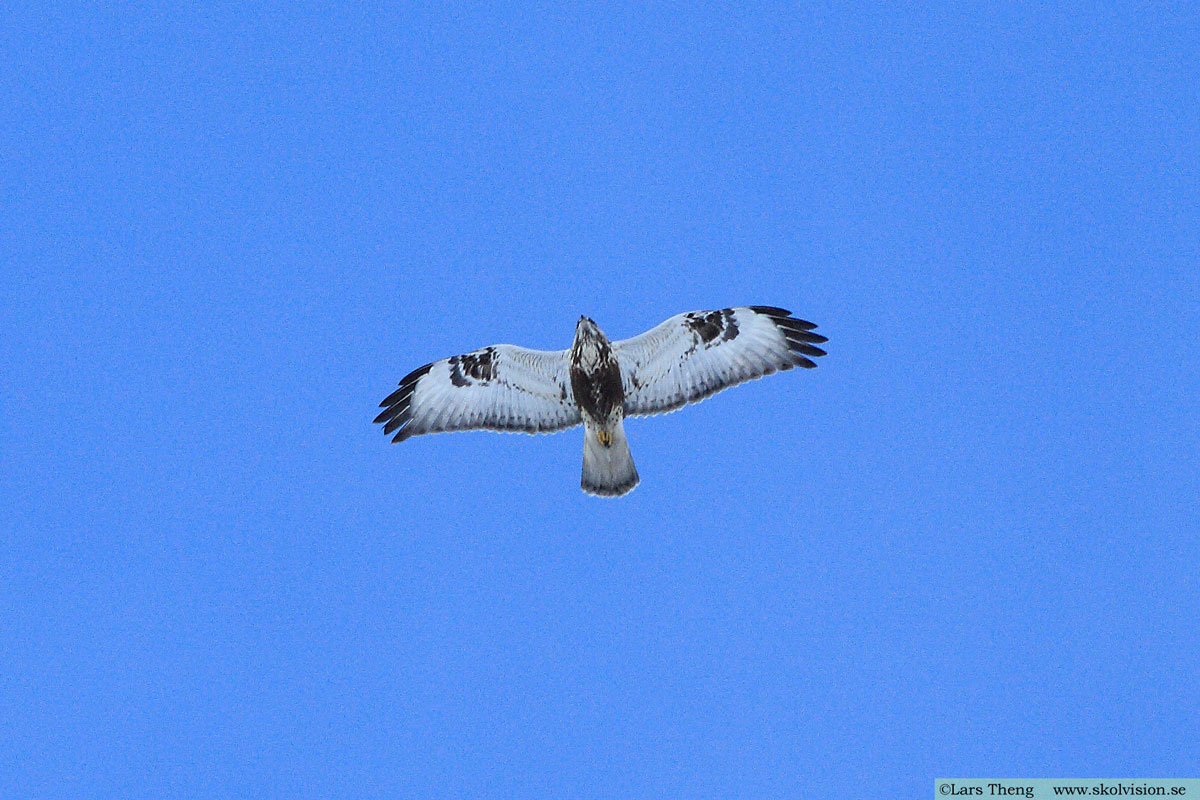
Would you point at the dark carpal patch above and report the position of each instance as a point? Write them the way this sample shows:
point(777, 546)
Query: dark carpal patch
point(705, 324)
point(477, 367)
point(712, 327)
point(730, 324)
point(456, 375)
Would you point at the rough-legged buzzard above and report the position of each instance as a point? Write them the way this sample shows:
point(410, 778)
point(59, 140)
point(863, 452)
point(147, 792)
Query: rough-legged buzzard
point(599, 383)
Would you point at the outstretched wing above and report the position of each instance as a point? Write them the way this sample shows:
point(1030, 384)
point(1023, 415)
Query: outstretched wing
point(693, 355)
point(498, 388)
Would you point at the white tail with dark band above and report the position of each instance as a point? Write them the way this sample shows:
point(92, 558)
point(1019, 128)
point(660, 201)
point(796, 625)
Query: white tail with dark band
point(608, 471)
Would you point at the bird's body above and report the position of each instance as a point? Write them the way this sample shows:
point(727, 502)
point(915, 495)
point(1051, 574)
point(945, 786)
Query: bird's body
point(598, 383)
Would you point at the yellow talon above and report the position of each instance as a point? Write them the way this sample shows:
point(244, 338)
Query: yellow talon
point(604, 437)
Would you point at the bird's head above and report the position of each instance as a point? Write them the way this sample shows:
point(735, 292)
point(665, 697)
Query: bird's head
point(588, 335)
point(585, 323)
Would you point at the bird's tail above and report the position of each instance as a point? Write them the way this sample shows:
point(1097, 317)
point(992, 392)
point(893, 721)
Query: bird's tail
point(608, 469)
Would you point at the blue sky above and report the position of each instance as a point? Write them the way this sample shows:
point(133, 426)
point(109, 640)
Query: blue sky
point(966, 545)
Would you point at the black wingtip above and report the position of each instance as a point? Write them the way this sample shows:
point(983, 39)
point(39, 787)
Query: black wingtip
point(800, 326)
point(806, 336)
point(782, 316)
point(402, 416)
point(771, 311)
point(798, 334)
point(397, 405)
point(806, 349)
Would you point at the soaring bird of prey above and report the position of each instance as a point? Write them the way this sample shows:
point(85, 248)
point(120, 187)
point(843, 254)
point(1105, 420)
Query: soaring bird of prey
point(598, 383)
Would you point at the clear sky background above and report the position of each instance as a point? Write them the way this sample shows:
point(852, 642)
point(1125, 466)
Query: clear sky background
point(966, 545)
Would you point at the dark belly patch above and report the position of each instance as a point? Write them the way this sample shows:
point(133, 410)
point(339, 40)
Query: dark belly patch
point(598, 393)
